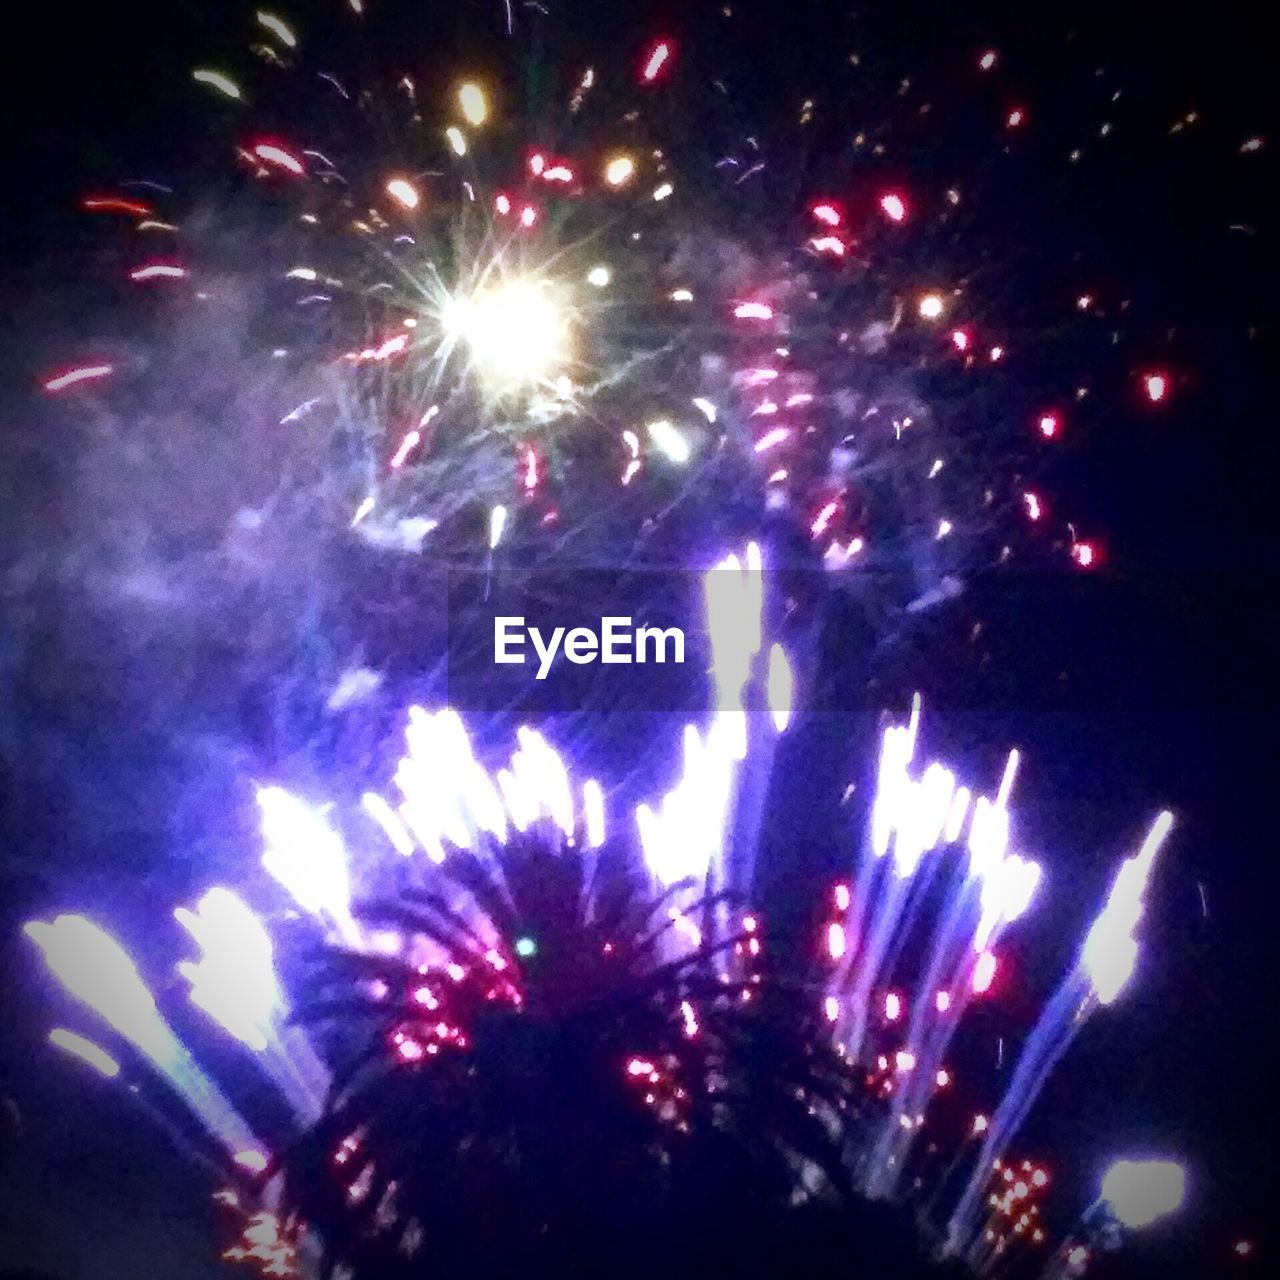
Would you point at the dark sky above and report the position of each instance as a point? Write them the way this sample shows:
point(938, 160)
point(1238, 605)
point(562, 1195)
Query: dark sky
point(1169, 695)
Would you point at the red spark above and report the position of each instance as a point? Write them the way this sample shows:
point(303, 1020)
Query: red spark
point(827, 213)
point(894, 206)
point(659, 56)
point(1050, 425)
point(116, 204)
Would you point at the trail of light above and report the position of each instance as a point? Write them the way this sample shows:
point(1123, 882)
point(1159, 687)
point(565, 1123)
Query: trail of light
point(1104, 967)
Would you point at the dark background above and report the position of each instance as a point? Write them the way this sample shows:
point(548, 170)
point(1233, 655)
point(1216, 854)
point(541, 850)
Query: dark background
point(1148, 684)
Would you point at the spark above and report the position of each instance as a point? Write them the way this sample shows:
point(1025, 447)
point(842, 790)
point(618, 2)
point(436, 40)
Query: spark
point(472, 101)
point(894, 207)
point(216, 80)
point(277, 28)
point(619, 171)
point(931, 306)
point(272, 153)
point(1050, 424)
point(827, 213)
point(497, 523)
point(83, 373)
point(1156, 386)
point(663, 191)
point(456, 140)
point(403, 192)
point(772, 438)
point(115, 204)
point(158, 271)
point(753, 311)
point(659, 56)
point(668, 440)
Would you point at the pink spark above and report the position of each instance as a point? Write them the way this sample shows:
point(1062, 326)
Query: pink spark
point(942, 1079)
point(255, 1161)
point(271, 153)
point(1156, 386)
point(1016, 117)
point(1050, 424)
point(895, 208)
point(537, 162)
point(753, 311)
point(843, 897)
point(960, 340)
point(988, 60)
point(904, 1060)
point(83, 373)
point(835, 941)
point(1085, 554)
point(772, 438)
point(819, 526)
point(892, 1007)
point(942, 1001)
point(158, 271)
point(829, 244)
point(659, 56)
point(831, 1006)
point(558, 173)
point(1034, 508)
point(528, 216)
point(640, 1067)
point(984, 973)
point(827, 213)
point(530, 471)
point(503, 204)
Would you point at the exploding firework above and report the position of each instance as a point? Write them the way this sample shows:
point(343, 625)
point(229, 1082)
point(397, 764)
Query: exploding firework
point(494, 942)
point(425, 306)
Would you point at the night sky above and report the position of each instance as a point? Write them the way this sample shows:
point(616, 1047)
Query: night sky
point(1146, 684)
